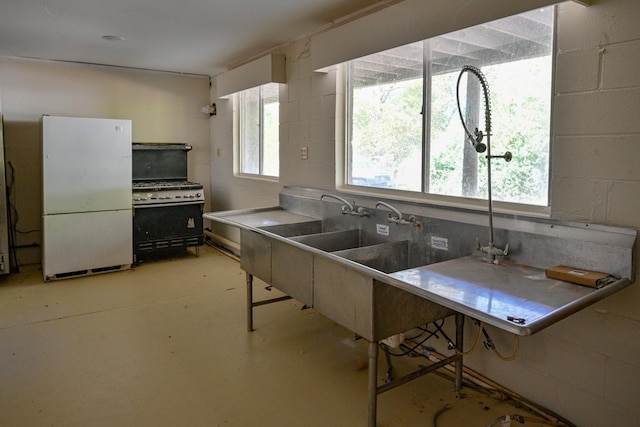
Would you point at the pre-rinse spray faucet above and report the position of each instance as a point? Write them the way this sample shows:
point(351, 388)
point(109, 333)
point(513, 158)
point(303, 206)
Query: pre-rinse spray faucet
point(476, 140)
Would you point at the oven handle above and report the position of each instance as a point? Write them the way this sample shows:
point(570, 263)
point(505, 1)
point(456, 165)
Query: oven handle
point(159, 205)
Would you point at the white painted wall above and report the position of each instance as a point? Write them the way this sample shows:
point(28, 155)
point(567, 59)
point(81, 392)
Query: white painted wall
point(587, 367)
point(163, 108)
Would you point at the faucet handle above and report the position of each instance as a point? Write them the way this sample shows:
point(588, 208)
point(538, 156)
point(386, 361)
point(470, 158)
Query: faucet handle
point(505, 251)
point(361, 211)
point(492, 250)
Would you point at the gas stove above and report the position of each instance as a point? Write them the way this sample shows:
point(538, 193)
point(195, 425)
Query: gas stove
point(167, 208)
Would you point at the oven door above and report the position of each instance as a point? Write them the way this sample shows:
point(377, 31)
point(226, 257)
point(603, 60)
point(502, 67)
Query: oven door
point(163, 228)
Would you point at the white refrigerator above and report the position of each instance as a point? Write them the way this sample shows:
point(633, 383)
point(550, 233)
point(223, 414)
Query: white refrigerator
point(86, 184)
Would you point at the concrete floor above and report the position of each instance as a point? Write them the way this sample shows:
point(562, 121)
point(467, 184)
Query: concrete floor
point(165, 344)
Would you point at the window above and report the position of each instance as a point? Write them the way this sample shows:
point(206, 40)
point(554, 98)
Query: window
point(404, 130)
point(258, 131)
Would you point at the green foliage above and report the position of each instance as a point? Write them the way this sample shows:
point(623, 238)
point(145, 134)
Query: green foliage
point(387, 132)
point(387, 123)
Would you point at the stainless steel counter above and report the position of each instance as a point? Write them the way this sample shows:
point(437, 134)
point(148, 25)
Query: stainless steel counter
point(255, 218)
point(468, 285)
point(497, 293)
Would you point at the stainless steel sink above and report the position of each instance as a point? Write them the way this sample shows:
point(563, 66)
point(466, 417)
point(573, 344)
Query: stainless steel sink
point(386, 257)
point(353, 298)
point(331, 241)
point(359, 301)
point(304, 257)
point(291, 268)
point(295, 229)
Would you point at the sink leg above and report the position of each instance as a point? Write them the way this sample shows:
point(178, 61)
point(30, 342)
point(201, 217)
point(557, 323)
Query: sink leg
point(249, 302)
point(459, 349)
point(373, 382)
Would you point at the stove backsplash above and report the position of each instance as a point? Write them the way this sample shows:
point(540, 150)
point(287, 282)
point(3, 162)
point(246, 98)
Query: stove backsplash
point(159, 161)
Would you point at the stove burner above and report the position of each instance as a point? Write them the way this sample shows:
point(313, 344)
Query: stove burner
point(165, 185)
point(158, 193)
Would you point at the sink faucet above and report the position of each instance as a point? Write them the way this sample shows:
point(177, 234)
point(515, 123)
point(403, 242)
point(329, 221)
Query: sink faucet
point(398, 219)
point(480, 147)
point(347, 208)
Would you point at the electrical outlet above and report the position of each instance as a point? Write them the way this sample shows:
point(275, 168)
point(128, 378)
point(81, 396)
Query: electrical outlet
point(304, 153)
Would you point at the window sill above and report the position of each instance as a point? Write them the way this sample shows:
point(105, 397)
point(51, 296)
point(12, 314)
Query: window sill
point(264, 178)
point(534, 211)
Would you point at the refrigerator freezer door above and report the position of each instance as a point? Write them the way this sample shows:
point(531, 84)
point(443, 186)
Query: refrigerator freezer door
point(88, 242)
point(86, 164)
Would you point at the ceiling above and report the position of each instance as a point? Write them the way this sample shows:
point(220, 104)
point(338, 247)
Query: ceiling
point(185, 36)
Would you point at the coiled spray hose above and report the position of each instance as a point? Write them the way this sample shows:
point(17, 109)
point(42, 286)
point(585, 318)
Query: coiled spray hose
point(478, 135)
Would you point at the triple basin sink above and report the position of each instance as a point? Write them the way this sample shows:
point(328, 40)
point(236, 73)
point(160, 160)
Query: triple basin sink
point(323, 269)
point(379, 282)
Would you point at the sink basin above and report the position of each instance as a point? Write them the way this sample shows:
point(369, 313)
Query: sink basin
point(386, 257)
point(364, 303)
point(353, 245)
point(331, 241)
point(295, 229)
point(291, 267)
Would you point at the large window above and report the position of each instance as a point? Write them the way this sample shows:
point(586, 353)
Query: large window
point(404, 129)
point(258, 131)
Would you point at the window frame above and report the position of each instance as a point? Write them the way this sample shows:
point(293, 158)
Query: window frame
point(423, 195)
point(238, 139)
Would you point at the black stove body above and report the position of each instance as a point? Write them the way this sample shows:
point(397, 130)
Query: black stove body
point(167, 208)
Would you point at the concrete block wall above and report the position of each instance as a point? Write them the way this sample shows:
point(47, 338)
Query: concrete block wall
point(587, 367)
point(596, 178)
point(311, 122)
